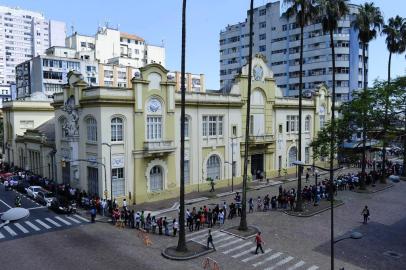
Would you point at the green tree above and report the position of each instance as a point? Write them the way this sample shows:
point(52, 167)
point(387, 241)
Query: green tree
point(395, 43)
point(304, 12)
point(368, 22)
point(243, 221)
point(182, 236)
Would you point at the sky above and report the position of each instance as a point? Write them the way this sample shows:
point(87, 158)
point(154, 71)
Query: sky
point(159, 22)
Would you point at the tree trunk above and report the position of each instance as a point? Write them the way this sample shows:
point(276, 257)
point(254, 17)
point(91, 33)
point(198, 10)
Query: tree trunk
point(332, 146)
point(243, 221)
point(182, 237)
point(299, 206)
point(385, 127)
point(364, 130)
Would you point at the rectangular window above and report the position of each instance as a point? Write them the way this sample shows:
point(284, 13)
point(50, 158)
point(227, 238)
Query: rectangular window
point(154, 128)
point(262, 24)
point(204, 128)
point(262, 48)
point(262, 36)
point(212, 125)
point(234, 128)
point(220, 125)
point(322, 120)
point(118, 182)
point(262, 12)
point(287, 123)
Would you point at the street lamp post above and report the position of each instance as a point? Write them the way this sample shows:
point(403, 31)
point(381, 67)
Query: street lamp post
point(111, 178)
point(331, 170)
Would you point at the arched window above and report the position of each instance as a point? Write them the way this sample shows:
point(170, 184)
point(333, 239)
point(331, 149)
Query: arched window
point(292, 156)
point(213, 167)
point(156, 178)
point(154, 120)
point(322, 116)
point(116, 129)
point(91, 126)
point(307, 123)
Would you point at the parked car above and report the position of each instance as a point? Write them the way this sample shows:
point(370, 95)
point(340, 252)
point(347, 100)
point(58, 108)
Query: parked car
point(62, 206)
point(32, 191)
point(45, 197)
point(22, 186)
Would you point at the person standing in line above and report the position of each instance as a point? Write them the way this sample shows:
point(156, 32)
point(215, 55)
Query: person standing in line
point(142, 220)
point(175, 225)
point(307, 177)
point(259, 242)
point(210, 240)
point(365, 213)
point(137, 218)
point(165, 224)
point(251, 205)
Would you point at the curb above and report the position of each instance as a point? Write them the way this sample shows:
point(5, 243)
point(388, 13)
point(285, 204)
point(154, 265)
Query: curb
point(313, 214)
point(374, 191)
point(174, 258)
point(239, 236)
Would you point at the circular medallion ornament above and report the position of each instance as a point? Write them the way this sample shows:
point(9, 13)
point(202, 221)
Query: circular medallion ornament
point(258, 72)
point(154, 105)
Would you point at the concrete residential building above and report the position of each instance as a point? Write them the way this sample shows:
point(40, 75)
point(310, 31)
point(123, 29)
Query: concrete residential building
point(25, 34)
point(44, 75)
point(278, 39)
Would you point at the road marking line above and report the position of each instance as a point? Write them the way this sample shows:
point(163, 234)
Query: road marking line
point(74, 220)
point(244, 252)
point(81, 218)
point(53, 222)
point(1, 236)
point(46, 226)
point(280, 263)
point(230, 243)
point(62, 220)
point(256, 255)
point(38, 207)
point(32, 226)
point(234, 249)
point(24, 230)
point(313, 268)
point(196, 233)
point(276, 255)
point(10, 231)
point(299, 264)
point(6, 204)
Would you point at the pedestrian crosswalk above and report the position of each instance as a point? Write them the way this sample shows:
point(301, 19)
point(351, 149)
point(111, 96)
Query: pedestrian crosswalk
point(23, 228)
point(244, 251)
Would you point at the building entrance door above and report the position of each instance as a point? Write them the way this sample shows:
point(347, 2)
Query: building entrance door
point(93, 181)
point(257, 166)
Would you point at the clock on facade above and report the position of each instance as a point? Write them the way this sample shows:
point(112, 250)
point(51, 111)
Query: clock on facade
point(154, 105)
point(258, 72)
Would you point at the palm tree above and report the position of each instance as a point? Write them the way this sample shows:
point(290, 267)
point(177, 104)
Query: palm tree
point(304, 12)
point(182, 237)
point(368, 22)
point(243, 221)
point(394, 31)
point(330, 12)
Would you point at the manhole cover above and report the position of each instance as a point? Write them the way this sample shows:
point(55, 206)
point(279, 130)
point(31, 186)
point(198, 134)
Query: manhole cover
point(392, 254)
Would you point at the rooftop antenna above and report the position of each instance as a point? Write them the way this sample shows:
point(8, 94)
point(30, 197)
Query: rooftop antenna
point(72, 28)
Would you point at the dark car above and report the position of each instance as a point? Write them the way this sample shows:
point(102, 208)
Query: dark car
point(45, 197)
point(21, 186)
point(61, 206)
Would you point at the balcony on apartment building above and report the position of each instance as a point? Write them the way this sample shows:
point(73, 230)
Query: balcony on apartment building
point(261, 139)
point(159, 147)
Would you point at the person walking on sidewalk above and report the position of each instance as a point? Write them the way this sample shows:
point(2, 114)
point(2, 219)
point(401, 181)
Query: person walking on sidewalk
point(175, 226)
point(365, 213)
point(259, 242)
point(210, 240)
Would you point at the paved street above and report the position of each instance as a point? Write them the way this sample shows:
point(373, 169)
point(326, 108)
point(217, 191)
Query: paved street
point(41, 220)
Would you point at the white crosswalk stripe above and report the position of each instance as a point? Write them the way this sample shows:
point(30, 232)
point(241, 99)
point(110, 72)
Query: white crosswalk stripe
point(244, 252)
point(230, 243)
point(63, 221)
point(236, 248)
point(280, 263)
point(257, 255)
point(19, 226)
point(74, 220)
point(214, 235)
point(217, 240)
point(296, 266)
point(313, 268)
point(53, 222)
point(46, 226)
point(1, 236)
point(274, 256)
point(10, 231)
point(81, 218)
point(32, 226)
point(196, 233)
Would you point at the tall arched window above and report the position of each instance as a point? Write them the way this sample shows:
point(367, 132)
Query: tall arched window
point(116, 129)
point(91, 126)
point(213, 167)
point(257, 117)
point(322, 116)
point(307, 123)
point(156, 178)
point(292, 156)
point(154, 120)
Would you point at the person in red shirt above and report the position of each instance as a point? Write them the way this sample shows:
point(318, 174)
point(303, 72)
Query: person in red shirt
point(258, 240)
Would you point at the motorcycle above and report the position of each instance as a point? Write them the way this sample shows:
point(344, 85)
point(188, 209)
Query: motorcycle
point(18, 201)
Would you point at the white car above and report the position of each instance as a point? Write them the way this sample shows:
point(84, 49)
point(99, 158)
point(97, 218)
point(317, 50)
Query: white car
point(32, 191)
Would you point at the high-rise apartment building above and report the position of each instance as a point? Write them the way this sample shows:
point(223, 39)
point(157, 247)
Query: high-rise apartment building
point(25, 34)
point(278, 38)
